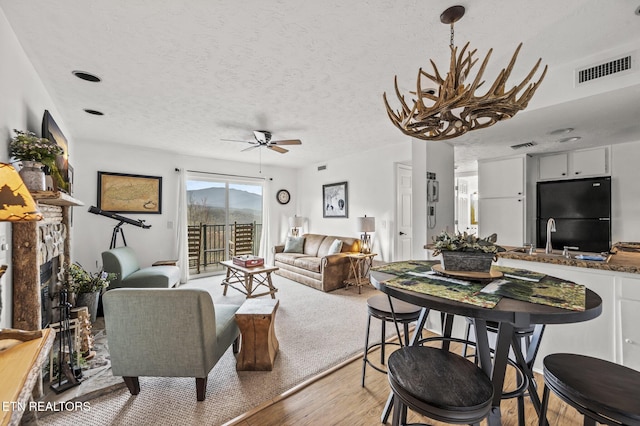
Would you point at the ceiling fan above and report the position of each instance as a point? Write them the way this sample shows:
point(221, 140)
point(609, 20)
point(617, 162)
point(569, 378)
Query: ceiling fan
point(263, 138)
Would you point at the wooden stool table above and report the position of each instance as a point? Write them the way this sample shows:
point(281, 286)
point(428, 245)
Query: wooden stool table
point(249, 279)
point(259, 345)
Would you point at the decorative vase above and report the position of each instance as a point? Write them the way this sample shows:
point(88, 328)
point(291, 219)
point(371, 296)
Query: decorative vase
point(467, 261)
point(90, 300)
point(32, 175)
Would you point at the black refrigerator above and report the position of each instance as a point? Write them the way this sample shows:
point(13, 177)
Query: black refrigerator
point(582, 212)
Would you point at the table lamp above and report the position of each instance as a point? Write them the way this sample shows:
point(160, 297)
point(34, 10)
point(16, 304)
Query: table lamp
point(366, 224)
point(295, 222)
point(16, 205)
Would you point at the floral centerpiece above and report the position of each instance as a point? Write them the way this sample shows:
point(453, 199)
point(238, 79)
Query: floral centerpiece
point(466, 252)
point(26, 146)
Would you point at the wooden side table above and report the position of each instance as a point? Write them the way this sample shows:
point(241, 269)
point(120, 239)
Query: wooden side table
point(259, 345)
point(165, 263)
point(359, 266)
point(249, 279)
point(20, 369)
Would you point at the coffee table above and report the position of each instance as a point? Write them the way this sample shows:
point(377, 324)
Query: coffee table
point(259, 346)
point(249, 279)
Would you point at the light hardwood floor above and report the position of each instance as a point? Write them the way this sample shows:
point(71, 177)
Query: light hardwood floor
point(338, 399)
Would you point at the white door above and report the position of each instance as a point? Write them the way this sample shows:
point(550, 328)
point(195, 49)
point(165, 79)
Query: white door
point(404, 222)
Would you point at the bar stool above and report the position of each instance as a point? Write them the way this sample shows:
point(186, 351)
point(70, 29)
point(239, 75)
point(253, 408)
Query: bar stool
point(438, 384)
point(528, 357)
point(378, 307)
point(600, 390)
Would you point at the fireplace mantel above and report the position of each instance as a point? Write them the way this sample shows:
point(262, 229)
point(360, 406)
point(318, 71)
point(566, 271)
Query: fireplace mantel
point(30, 251)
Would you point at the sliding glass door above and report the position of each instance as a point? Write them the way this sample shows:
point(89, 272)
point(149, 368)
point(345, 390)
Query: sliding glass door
point(215, 206)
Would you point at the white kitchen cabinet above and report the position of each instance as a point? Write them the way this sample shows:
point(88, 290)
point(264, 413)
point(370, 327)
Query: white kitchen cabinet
point(501, 178)
point(629, 318)
point(501, 200)
point(588, 162)
point(503, 216)
point(554, 166)
point(574, 164)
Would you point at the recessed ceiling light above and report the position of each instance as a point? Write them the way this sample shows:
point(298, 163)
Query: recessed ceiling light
point(562, 131)
point(86, 76)
point(571, 139)
point(93, 112)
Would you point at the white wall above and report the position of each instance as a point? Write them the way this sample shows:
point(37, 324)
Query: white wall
point(23, 100)
point(92, 233)
point(371, 190)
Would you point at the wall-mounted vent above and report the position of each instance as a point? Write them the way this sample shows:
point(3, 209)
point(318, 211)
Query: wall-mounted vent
point(323, 167)
point(602, 70)
point(524, 145)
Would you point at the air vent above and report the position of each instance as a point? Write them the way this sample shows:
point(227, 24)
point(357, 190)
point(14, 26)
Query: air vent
point(524, 145)
point(602, 70)
point(323, 167)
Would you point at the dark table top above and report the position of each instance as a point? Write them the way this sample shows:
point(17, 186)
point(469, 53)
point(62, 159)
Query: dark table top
point(516, 312)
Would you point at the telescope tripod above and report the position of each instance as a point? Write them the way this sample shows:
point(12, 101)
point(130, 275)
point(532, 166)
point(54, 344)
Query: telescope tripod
point(114, 236)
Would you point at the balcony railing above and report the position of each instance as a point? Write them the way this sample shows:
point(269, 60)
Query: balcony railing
point(214, 245)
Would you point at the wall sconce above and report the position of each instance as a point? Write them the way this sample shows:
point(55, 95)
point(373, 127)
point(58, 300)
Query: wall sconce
point(366, 224)
point(295, 222)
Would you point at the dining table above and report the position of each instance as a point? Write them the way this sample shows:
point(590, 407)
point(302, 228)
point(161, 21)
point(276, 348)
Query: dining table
point(509, 312)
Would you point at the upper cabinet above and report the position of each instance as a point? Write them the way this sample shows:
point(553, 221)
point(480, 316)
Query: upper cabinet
point(501, 178)
point(574, 164)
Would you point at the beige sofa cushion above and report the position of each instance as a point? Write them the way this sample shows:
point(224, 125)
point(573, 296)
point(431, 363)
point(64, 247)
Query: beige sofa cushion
point(310, 263)
point(312, 243)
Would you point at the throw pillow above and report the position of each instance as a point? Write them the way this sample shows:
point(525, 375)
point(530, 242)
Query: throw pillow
point(336, 247)
point(294, 245)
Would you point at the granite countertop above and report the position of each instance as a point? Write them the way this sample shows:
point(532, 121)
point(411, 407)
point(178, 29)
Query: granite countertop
point(620, 262)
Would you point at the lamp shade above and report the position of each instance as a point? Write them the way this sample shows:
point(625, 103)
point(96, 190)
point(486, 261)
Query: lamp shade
point(16, 202)
point(366, 224)
point(296, 221)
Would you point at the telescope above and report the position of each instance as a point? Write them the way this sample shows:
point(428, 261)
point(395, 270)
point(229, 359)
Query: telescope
point(122, 220)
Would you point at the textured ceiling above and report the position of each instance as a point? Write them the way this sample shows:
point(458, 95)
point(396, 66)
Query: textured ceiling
point(181, 76)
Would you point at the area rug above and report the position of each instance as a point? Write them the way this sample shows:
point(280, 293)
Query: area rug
point(316, 331)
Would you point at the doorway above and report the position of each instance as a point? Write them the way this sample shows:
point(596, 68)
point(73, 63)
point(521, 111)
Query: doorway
point(466, 205)
point(404, 215)
point(214, 207)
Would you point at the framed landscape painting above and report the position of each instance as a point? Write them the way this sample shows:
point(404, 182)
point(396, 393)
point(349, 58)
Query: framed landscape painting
point(125, 193)
point(335, 202)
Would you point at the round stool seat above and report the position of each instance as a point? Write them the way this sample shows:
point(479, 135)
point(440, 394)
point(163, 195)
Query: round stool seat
point(440, 384)
point(595, 386)
point(379, 307)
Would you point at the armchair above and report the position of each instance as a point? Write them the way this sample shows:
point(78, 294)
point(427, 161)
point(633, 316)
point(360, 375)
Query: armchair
point(143, 341)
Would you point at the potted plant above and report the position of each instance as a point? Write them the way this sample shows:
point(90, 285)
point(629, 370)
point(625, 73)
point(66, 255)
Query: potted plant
point(34, 152)
point(87, 287)
point(466, 252)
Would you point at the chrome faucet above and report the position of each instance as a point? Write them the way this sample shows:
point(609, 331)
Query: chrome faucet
point(551, 227)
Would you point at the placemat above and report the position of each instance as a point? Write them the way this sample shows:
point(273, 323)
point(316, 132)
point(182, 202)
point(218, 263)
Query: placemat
point(518, 284)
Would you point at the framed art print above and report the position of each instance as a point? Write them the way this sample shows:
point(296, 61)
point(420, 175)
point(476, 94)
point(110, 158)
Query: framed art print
point(125, 193)
point(335, 202)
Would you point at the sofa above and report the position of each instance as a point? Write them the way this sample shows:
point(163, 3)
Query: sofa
point(122, 261)
point(143, 343)
point(313, 265)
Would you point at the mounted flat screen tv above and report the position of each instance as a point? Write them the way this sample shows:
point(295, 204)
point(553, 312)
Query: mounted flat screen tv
point(51, 131)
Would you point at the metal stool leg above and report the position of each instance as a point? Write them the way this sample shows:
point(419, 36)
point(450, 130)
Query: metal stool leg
point(366, 349)
point(542, 417)
point(382, 342)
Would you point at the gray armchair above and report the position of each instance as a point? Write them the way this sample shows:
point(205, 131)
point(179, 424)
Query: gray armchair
point(167, 333)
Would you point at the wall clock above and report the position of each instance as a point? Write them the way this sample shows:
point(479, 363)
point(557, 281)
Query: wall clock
point(283, 196)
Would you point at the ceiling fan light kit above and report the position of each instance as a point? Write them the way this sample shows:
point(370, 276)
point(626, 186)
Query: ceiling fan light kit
point(453, 108)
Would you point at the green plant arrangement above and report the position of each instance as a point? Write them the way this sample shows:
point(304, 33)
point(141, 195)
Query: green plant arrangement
point(80, 281)
point(465, 243)
point(26, 146)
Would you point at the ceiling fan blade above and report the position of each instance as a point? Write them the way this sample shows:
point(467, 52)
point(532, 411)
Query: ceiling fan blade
point(235, 140)
point(277, 149)
point(287, 142)
point(251, 147)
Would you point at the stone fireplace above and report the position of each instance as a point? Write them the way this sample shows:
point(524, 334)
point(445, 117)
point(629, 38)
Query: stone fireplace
point(40, 250)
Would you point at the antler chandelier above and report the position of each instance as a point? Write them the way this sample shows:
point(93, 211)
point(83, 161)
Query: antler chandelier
point(453, 108)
